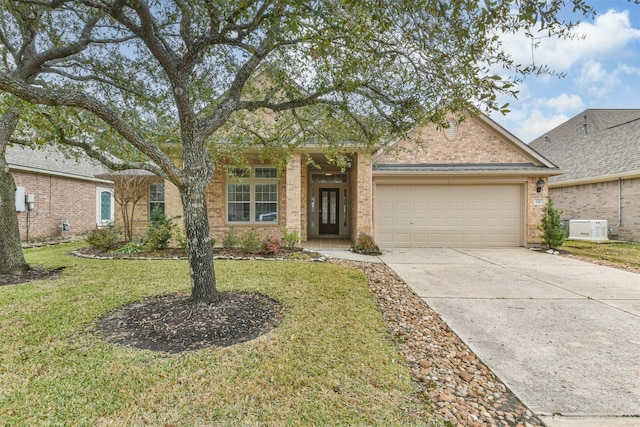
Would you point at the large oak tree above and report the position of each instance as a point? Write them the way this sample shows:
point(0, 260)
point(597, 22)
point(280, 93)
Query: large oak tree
point(23, 57)
point(200, 77)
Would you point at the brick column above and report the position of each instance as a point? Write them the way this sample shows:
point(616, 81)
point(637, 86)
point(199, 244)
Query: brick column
point(363, 196)
point(292, 197)
point(535, 211)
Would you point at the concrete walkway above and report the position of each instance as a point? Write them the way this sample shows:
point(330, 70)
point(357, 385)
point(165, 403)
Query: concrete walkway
point(562, 334)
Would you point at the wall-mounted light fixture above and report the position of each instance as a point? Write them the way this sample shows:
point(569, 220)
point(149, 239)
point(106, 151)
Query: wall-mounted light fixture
point(539, 185)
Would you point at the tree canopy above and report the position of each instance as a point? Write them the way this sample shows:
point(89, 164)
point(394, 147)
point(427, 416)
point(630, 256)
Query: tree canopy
point(211, 79)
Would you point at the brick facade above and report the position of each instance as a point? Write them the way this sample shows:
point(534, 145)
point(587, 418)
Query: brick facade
point(362, 189)
point(57, 198)
point(535, 210)
point(599, 200)
point(141, 211)
point(476, 142)
point(473, 143)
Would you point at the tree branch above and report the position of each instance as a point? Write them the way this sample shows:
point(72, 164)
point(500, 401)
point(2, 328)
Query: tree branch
point(107, 161)
point(32, 65)
point(67, 98)
point(94, 78)
point(148, 34)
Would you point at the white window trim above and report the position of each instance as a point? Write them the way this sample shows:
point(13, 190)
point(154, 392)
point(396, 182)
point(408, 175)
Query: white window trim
point(164, 198)
point(252, 181)
point(99, 221)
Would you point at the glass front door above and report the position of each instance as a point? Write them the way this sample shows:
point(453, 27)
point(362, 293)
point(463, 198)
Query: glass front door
point(328, 211)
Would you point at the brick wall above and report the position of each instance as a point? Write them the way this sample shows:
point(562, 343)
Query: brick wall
point(216, 204)
point(57, 198)
point(600, 201)
point(535, 211)
point(141, 211)
point(362, 189)
point(473, 143)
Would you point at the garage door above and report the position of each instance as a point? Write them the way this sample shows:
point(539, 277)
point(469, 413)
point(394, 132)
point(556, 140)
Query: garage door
point(449, 215)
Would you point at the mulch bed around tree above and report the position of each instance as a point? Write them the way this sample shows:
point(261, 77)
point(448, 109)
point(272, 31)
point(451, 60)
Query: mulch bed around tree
point(29, 276)
point(172, 323)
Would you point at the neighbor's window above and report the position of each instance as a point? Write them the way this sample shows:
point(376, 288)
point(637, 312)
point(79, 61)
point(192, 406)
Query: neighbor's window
point(104, 206)
point(252, 195)
point(156, 196)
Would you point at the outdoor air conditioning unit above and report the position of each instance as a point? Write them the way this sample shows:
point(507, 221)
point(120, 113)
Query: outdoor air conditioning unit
point(588, 229)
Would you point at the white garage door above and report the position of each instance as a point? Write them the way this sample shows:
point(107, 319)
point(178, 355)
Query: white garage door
point(449, 215)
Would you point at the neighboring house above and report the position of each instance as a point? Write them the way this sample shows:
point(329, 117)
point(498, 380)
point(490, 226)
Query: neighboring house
point(53, 191)
point(470, 185)
point(599, 150)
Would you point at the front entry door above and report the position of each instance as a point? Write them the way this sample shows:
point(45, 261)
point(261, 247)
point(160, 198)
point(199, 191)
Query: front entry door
point(329, 223)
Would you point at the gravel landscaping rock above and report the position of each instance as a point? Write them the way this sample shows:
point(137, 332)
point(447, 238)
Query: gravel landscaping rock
point(461, 388)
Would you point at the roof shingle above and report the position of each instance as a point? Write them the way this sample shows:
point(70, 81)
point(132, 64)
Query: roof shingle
point(594, 143)
point(49, 160)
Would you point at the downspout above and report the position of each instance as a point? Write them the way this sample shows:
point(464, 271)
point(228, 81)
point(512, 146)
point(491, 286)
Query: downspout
point(619, 208)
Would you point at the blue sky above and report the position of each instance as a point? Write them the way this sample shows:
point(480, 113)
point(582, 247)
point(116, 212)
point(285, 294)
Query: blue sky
point(602, 71)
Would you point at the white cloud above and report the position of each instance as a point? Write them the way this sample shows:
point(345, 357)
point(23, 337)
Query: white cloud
point(596, 80)
point(536, 116)
point(538, 123)
point(626, 69)
point(607, 36)
point(603, 71)
point(562, 103)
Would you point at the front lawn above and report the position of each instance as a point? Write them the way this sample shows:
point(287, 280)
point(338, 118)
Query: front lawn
point(331, 361)
point(622, 253)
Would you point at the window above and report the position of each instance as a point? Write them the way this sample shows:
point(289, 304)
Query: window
point(329, 177)
point(104, 206)
point(156, 197)
point(252, 195)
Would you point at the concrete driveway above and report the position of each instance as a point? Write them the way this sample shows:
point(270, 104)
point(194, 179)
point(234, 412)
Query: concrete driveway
point(563, 335)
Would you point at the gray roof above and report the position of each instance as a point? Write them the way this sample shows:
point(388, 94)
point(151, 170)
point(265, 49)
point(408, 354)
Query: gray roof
point(609, 147)
point(49, 161)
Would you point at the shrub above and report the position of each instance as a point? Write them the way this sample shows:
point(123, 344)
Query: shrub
point(159, 232)
point(181, 238)
point(553, 234)
point(129, 248)
point(270, 246)
point(103, 238)
point(290, 238)
point(251, 243)
point(230, 239)
point(365, 245)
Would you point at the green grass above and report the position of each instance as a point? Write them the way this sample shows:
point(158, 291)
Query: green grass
point(617, 252)
point(330, 362)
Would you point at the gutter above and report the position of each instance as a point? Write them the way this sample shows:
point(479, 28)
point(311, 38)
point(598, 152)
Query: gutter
point(60, 174)
point(619, 208)
point(595, 179)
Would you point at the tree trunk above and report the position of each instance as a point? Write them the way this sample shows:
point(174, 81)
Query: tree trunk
point(199, 250)
point(11, 257)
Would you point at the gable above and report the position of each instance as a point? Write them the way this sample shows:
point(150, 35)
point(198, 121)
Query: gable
point(477, 140)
